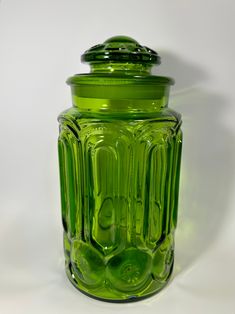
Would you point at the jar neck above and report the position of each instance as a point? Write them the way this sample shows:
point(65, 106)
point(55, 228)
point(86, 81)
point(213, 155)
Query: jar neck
point(121, 68)
point(119, 87)
point(116, 99)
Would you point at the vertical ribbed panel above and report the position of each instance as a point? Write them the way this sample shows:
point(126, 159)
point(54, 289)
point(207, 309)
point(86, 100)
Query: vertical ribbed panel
point(175, 178)
point(156, 193)
point(105, 220)
point(106, 176)
point(156, 160)
point(71, 181)
point(63, 187)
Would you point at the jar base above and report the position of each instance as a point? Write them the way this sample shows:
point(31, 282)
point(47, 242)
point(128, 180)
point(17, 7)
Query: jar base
point(109, 294)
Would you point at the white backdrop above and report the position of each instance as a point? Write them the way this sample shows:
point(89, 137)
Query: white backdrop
point(40, 46)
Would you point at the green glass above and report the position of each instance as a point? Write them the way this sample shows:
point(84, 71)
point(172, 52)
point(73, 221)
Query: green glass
point(119, 156)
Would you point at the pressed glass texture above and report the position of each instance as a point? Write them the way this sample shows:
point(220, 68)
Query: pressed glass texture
point(119, 156)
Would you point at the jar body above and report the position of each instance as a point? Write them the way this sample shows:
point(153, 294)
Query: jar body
point(119, 177)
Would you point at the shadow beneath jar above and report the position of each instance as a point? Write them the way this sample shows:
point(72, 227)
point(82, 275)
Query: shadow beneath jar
point(207, 162)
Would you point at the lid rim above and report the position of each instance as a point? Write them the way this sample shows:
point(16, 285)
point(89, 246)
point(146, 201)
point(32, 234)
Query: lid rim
point(121, 57)
point(121, 49)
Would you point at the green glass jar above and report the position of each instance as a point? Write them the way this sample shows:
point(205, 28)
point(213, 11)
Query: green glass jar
point(119, 157)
